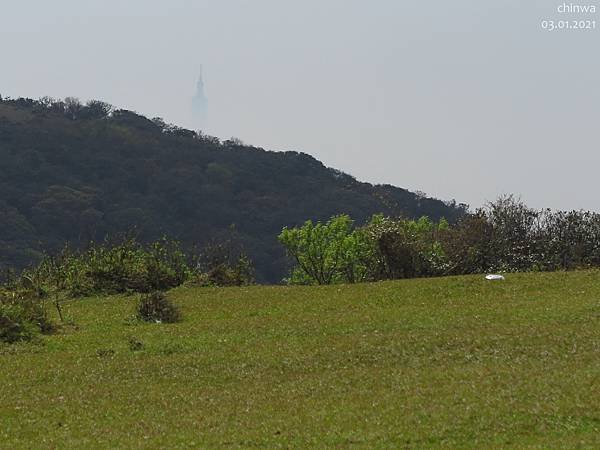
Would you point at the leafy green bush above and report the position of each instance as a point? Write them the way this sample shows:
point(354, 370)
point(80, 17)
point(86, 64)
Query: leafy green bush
point(22, 316)
point(65, 272)
point(131, 267)
point(337, 252)
point(14, 325)
point(328, 253)
point(156, 307)
point(166, 265)
point(111, 268)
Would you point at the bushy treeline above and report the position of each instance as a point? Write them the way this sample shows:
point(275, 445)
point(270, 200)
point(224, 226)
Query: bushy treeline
point(509, 236)
point(123, 266)
point(504, 236)
point(126, 265)
point(112, 268)
point(385, 248)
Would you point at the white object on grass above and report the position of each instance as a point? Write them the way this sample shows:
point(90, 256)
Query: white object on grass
point(494, 277)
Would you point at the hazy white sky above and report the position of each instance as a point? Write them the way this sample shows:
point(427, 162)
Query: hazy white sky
point(464, 99)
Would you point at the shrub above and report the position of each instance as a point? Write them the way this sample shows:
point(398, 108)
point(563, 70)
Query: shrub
point(116, 268)
point(336, 252)
point(65, 272)
point(156, 307)
point(112, 268)
point(135, 345)
point(317, 248)
point(328, 253)
point(14, 325)
point(408, 248)
point(468, 245)
point(222, 264)
point(22, 316)
point(166, 265)
point(239, 273)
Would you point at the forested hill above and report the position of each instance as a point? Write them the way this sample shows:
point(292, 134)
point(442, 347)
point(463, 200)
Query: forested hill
point(73, 172)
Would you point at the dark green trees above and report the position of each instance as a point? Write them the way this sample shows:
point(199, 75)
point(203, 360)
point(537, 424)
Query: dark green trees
point(74, 172)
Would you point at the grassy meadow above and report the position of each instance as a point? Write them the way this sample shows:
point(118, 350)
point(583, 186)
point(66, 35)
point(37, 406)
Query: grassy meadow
point(455, 362)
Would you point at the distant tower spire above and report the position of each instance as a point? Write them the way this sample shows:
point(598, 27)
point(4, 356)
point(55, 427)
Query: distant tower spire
point(200, 102)
point(200, 84)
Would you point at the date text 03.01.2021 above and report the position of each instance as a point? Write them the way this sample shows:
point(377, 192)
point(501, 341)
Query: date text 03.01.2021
point(553, 25)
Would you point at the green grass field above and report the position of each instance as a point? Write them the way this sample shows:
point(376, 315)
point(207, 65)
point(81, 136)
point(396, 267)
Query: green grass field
point(451, 362)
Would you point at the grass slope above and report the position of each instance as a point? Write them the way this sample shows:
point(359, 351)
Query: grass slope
point(454, 362)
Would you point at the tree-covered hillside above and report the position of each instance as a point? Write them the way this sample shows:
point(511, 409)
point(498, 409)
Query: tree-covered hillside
point(75, 173)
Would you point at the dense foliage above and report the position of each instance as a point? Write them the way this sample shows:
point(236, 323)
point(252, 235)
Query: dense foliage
point(22, 314)
point(509, 236)
point(156, 307)
point(328, 253)
point(223, 263)
point(505, 236)
point(112, 268)
point(385, 248)
point(77, 173)
point(128, 266)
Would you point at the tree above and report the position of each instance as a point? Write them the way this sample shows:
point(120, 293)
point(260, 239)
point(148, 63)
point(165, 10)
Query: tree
point(408, 248)
point(96, 109)
point(328, 253)
point(73, 108)
point(468, 245)
point(224, 262)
